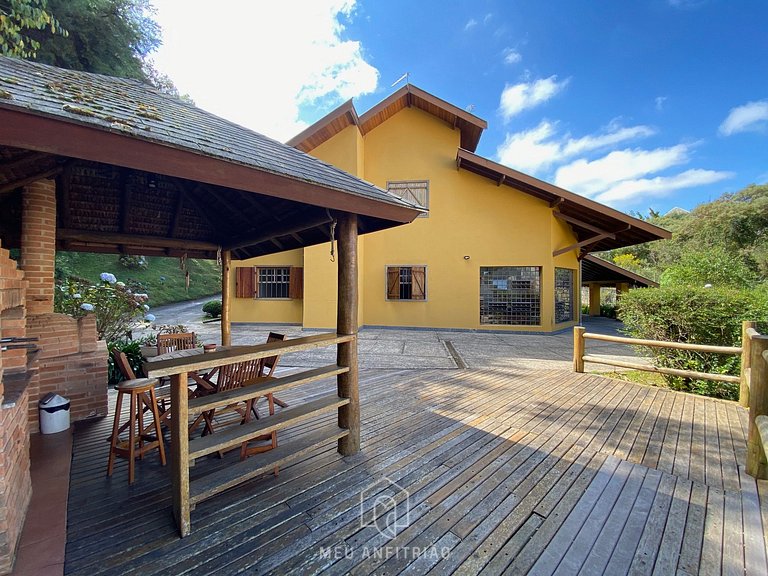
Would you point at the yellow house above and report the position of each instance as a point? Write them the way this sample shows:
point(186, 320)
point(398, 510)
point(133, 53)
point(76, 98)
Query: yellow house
point(494, 250)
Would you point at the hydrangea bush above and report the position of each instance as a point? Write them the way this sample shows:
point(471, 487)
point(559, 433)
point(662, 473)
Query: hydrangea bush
point(116, 306)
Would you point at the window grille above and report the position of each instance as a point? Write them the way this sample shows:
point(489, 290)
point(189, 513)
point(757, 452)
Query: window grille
point(274, 282)
point(510, 295)
point(406, 282)
point(564, 294)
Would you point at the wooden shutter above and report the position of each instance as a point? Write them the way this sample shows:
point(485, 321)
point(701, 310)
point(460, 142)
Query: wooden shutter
point(393, 283)
point(418, 283)
point(245, 281)
point(296, 286)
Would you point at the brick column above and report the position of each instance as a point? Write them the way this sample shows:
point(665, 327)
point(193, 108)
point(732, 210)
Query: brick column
point(38, 245)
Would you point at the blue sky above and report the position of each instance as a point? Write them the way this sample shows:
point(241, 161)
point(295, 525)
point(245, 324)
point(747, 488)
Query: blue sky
point(635, 103)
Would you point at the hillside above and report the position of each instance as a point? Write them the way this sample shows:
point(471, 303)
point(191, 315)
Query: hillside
point(161, 278)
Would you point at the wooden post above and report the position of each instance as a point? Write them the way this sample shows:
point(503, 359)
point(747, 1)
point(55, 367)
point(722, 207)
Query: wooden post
point(758, 404)
point(594, 299)
point(180, 453)
point(746, 360)
point(346, 323)
point(226, 327)
point(578, 348)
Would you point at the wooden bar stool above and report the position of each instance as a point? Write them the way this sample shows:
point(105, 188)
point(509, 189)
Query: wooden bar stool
point(139, 442)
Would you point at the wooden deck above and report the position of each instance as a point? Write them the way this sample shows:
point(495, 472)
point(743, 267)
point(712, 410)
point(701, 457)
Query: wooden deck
point(501, 471)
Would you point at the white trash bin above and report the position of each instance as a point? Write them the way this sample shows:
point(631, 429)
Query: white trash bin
point(54, 413)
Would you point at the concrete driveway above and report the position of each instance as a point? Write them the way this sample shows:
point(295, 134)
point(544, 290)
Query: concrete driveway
point(394, 348)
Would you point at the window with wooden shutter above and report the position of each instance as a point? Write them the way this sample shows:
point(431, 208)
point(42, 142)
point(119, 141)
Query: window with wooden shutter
point(280, 282)
point(406, 283)
point(296, 288)
point(245, 282)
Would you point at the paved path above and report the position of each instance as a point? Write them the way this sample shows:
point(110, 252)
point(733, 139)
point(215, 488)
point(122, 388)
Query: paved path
point(394, 348)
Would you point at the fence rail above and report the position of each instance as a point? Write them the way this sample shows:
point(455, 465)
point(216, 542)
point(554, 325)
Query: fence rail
point(753, 381)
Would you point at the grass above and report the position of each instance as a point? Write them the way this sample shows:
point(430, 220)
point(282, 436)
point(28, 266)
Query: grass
point(162, 279)
point(638, 377)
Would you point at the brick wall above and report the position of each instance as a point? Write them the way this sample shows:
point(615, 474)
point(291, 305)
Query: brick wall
point(72, 362)
point(15, 482)
point(38, 244)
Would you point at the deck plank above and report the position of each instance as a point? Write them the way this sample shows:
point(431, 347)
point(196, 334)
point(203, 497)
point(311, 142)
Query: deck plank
point(507, 471)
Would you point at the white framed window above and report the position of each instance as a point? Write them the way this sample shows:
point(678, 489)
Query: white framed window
point(406, 283)
point(415, 191)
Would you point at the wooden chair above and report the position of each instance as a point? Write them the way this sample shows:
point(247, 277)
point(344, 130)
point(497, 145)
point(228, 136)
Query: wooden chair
point(141, 439)
point(179, 341)
point(229, 377)
point(268, 366)
point(162, 395)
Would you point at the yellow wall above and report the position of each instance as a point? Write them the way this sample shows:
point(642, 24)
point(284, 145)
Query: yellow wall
point(262, 310)
point(469, 216)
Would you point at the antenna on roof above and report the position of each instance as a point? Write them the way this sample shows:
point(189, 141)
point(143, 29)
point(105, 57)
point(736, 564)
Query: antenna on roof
point(403, 77)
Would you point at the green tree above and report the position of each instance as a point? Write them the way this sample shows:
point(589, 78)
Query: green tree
point(106, 36)
point(712, 267)
point(23, 23)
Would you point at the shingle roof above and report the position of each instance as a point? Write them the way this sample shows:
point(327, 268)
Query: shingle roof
point(137, 110)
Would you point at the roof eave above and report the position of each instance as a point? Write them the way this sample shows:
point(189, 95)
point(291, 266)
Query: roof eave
point(23, 129)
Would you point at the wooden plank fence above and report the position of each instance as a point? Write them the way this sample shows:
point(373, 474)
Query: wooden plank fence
point(753, 381)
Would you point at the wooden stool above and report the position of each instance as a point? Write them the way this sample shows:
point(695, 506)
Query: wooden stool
point(142, 393)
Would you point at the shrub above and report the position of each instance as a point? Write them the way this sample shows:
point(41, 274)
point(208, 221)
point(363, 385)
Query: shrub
point(697, 315)
point(212, 308)
point(133, 262)
point(608, 310)
point(116, 306)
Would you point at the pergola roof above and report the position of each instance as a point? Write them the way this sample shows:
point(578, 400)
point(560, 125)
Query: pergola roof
point(597, 270)
point(597, 226)
point(140, 171)
point(471, 126)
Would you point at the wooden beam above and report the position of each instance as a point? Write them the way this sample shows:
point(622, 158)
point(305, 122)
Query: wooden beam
point(346, 324)
point(63, 189)
point(125, 198)
point(281, 229)
point(226, 297)
point(9, 186)
point(133, 240)
point(556, 202)
point(180, 453)
point(24, 160)
point(586, 242)
point(173, 229)
point(585, 225)
point(502, 180)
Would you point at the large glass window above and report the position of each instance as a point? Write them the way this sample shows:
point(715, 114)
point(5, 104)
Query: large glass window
point(564, 294)
point(274, 282)
point(510, 295)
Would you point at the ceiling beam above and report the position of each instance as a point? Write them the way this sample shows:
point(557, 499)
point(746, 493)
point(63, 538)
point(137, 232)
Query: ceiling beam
point(24, 160)
point(133, 240)
point(581, 244)
point(10, 186)
point(585, 225)
point(282, 229)
point(556, 202)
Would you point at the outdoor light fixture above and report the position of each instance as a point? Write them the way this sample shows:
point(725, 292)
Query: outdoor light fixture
point(466, 257)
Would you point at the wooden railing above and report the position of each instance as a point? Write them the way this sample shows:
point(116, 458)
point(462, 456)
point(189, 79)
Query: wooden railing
point(753, 381)
point(184, 451)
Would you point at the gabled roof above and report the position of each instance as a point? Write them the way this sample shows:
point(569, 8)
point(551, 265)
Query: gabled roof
point(597, 226)
point(239, 188)
point(471, 126)
point(594, 269)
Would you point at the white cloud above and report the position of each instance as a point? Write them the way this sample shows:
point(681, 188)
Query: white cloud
point(471, 23)
point(274, 59)
point(631, 191)
point(526, 95)
point(596, 176)
point(541, 147)
point(512, 56)
point(660, 100)
point(749, 117)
